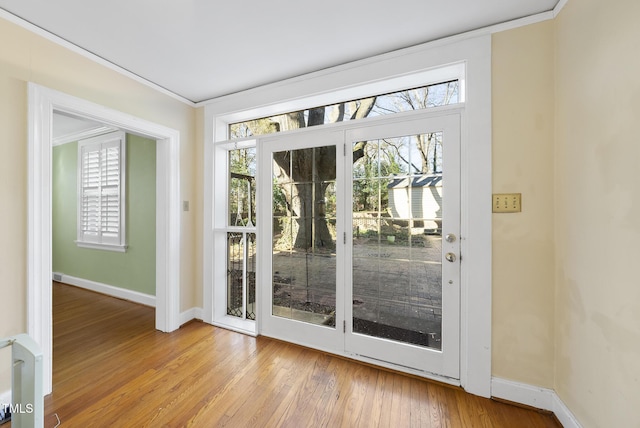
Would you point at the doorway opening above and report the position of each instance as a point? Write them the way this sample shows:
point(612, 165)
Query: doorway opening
point(103, 209)
point(43, 102)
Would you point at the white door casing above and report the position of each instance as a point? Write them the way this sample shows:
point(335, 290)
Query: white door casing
point(42, 103)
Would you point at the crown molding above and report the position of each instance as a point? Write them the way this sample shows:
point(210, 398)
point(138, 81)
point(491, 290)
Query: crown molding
point(81, 135)
point(8, 16)
point(559, 6)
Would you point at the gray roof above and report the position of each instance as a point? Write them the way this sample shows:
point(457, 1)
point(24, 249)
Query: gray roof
point(431, 180)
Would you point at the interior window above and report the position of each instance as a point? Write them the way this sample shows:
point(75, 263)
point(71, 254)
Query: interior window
point(101, 192)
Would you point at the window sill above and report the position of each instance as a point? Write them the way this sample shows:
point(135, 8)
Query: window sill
point(106, 247)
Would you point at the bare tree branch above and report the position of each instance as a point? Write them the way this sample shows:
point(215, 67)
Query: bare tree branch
point(364, 108)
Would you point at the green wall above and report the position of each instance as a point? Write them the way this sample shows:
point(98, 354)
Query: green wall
point(134, 269)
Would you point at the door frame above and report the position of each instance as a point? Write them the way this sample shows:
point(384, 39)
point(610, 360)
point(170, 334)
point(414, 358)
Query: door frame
point(446, 368)
point(42, 103)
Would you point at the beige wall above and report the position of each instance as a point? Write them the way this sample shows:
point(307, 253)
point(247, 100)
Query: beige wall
point(523, 253)
point(598, 211)
point(26, 57)
point(197, 207)
point(566, 296)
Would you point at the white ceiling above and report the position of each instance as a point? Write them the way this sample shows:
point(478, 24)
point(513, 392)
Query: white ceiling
point(202, 49)
point(68, 128)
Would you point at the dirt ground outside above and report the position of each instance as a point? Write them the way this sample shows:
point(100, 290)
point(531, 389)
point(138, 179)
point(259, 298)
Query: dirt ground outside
point(396, 286)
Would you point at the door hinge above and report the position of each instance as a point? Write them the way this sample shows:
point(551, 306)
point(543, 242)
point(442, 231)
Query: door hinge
point(344, 326)
point(344, 149)
point(344, 238)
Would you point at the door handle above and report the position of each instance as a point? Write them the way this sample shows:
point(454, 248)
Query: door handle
point(450, 257)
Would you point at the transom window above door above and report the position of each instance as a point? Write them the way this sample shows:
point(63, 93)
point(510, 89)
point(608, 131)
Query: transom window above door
point(424, 97)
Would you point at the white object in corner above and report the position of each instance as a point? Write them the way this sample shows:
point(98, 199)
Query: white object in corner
point(534, 396)
point(27, 398)
point(5, 398)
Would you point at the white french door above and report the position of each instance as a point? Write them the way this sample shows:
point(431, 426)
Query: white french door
point(359, 245)
point(402, 276)
point(300, 255)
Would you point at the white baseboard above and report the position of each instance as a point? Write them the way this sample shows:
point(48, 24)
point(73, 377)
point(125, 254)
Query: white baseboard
point(191, 314)
point(564, 415)
point(534, 396)
point(109, 290)
point(123, 293)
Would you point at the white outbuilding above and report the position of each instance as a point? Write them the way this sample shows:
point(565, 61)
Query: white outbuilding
point(418, 198)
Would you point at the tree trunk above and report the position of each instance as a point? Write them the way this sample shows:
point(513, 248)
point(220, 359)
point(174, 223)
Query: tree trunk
point(309, 172)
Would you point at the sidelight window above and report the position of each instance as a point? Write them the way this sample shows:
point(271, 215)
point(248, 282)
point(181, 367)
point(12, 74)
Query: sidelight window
point(240, 233)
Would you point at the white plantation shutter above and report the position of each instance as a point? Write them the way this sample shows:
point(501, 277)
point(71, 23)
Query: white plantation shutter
point(101, 191)
point(90, 193)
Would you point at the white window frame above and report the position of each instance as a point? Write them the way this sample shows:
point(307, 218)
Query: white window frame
point(220, 227)
point(98, 145)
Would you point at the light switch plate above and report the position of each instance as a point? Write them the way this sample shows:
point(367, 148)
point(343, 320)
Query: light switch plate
point(507, 202)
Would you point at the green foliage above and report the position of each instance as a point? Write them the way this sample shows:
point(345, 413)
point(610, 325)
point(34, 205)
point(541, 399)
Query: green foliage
point(279, 206)
point(242, 186)
point(372, 174)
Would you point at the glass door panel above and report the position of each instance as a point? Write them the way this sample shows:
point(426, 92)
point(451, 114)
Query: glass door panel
point(400, 309)
point(397, 253)
point(304, 238)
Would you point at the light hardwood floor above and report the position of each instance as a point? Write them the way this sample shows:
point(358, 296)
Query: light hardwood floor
point(111, 368)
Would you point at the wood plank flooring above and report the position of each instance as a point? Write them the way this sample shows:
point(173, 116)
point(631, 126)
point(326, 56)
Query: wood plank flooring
point(111, 368)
